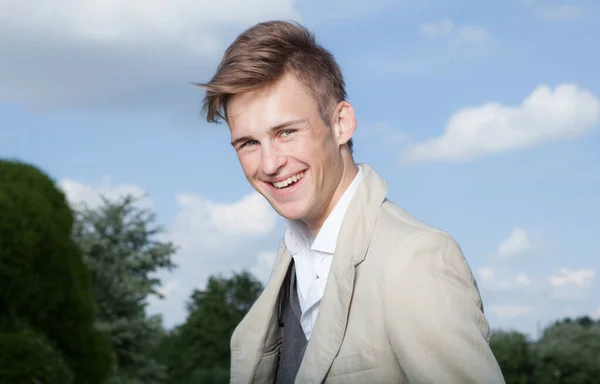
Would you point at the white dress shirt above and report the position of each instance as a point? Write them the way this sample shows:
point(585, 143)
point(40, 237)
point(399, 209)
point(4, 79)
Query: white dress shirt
point(313, 256)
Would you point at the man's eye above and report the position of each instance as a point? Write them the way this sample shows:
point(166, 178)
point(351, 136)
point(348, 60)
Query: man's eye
point(249, 143)
point(287, 132)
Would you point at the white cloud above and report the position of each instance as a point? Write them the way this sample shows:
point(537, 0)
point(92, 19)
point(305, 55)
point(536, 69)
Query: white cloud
point(522, 279)
point(519, 299)
point(547, 114)
point(167, 288)
point(137, 21)
point(558, 12)
point(489, 280)
point(486, 274)
point(579, 277)
point(199, 222)
point(462, 33)
point(509, 311)
point(204, 224)
point(79, 193)
point(212, 238)
point(120, 55)
point(572, 285)
point(264, 266)
point(516, 243)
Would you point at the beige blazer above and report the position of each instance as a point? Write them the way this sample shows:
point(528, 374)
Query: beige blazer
point(400, 306)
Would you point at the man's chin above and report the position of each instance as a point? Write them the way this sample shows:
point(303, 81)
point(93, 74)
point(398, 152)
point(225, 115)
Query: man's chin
point(290, 213)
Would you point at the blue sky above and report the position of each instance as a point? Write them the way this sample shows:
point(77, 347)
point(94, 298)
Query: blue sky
point(482, 116)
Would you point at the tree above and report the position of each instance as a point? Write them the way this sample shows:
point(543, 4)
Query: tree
point(123, 250)
point(569, 353)
point(512, 351)
point(198, 351)
point(46, 299)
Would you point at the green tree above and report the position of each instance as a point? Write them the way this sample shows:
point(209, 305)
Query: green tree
point(45, 283)
point(569, 353)
point(512, 350)
point(123, 250)
point(199, 351)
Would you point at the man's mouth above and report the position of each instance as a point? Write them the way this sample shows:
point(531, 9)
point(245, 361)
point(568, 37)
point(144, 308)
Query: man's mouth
point(289, 181)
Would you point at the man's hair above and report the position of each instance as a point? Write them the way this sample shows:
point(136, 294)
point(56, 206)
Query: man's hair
point(262, 55)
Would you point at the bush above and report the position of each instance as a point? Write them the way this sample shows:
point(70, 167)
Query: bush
point(44, 279)
point(26, 355)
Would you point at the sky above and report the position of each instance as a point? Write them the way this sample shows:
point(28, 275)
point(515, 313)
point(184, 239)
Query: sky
point(483, 118)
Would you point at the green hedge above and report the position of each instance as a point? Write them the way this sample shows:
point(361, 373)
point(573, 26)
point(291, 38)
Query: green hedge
point(45, 281)
point(26, 355)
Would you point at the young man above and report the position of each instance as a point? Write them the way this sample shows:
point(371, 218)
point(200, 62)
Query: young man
point(361, 291)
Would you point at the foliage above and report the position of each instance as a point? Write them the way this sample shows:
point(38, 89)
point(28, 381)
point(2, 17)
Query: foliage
point(513, 353)
point(45, 283)
point(27, 355)
point(214, 375)
point(122, 249)
point(569, 353)
point(198, 350)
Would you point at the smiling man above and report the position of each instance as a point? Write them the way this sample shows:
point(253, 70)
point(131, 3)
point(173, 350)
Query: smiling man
point(361, 291)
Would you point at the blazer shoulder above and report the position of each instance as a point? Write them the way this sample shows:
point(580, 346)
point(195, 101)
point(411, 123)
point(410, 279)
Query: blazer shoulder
point(396, 226)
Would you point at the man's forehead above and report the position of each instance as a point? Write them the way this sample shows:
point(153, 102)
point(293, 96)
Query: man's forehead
point(265, 116)
point(241, 105)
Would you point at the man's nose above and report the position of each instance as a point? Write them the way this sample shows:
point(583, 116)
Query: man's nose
point(272, 160)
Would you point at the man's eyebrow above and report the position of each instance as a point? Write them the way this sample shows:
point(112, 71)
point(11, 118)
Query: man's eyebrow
point(274, 128)
point(235, 142)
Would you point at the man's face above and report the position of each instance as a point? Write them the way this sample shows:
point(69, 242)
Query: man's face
point(287, 153)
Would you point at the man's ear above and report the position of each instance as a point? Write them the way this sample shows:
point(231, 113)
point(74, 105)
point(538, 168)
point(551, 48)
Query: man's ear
point(344, 123)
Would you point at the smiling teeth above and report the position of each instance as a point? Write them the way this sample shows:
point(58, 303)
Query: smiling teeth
point(288, 181)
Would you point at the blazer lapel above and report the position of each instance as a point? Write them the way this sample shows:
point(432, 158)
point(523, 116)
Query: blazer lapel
point(258, 330)
point(351, 248)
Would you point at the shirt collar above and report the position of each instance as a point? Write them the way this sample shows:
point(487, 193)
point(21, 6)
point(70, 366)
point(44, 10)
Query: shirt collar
point(297, 235)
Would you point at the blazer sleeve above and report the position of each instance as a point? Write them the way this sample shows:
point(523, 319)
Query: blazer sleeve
point(434, 314)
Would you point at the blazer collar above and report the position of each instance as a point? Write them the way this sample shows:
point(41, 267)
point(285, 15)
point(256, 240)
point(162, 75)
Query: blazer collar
point(353, 242)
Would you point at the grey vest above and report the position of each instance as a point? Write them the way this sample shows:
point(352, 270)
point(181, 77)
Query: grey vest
point(294, 341)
